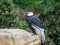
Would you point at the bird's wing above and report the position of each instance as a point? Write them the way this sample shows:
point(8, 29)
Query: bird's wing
point(37, 29)
point(37, 22)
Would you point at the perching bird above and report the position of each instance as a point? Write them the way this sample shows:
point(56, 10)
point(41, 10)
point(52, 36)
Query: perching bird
point(36, 25)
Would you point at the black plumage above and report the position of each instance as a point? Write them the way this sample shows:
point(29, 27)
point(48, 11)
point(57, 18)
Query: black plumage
point(35, 21)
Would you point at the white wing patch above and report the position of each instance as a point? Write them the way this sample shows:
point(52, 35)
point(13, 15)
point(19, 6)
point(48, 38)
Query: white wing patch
point(40, 32)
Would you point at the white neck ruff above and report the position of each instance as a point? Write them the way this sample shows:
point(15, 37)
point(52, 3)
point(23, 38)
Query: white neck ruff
point(30, 14)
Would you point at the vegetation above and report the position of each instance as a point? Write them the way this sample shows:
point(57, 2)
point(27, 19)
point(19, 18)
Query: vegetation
point(46, 10)
point(8, 15)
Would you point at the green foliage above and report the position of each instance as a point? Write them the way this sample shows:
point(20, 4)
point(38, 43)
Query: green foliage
point(24, 25)
point(28, 4)
point(8, 15)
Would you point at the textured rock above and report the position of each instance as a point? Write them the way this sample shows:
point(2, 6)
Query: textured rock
point(18, 37)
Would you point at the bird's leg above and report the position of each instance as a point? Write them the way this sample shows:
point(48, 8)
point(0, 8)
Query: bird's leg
point(33, 31)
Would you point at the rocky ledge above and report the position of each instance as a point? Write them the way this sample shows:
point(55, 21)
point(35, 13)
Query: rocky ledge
point(18, 37)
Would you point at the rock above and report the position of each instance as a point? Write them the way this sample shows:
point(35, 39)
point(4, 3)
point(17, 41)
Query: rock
point(18, 37)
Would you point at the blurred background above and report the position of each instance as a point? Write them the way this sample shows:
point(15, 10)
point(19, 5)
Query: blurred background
point(48, 11)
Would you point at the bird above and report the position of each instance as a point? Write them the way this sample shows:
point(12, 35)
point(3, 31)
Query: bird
point(36, 25)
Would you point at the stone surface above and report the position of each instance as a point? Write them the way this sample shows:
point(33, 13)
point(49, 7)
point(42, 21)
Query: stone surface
point(18, 37)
